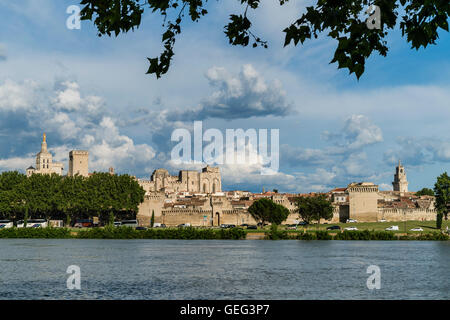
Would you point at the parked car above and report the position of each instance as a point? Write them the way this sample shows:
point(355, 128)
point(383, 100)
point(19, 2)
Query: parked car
point(261, 225)
point(351, 221)
point(159, 225)
point(33, 223)
point(392, 228)
point(117, 223)
point(244, 225)
point(5, 224)
point(227, 226)
point(141, 228)
point(302, 223)
point(252, 227)
point(383, 220)
point(291, 227)
point(184, 225)
point(351, 228)
point(334, 228)
point(83, 223)
point(416, 229)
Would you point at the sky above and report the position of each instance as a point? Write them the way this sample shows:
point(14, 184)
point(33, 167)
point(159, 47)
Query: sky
point(90, 92)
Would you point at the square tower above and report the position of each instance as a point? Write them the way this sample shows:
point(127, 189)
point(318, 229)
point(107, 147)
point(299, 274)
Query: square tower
point(78, 163)
point(400, 182)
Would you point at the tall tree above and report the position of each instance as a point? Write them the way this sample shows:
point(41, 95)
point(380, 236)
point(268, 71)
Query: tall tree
point(265, 210)
point(348, 22)
point(442, 192)
point(314, 208)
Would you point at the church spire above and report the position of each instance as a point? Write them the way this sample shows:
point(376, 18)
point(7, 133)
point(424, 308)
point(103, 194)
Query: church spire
point(44, 143)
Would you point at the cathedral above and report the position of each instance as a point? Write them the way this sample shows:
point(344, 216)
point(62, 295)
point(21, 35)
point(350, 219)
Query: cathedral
point(78, 162)
point(44, 162)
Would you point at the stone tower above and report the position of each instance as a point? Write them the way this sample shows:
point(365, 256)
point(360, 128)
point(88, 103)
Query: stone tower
point(78, 163)
point(400, 183)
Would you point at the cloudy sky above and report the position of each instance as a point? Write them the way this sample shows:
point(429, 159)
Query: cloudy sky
point(92, 93)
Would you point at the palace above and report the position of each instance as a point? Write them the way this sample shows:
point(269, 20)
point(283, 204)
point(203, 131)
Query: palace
point(206, 181)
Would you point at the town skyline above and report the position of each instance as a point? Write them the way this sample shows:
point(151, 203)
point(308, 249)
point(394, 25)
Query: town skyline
point(78, 164)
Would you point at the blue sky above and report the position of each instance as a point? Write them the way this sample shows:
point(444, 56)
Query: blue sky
point(92, 93)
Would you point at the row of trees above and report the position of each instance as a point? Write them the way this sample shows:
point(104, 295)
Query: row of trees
point(68, 198)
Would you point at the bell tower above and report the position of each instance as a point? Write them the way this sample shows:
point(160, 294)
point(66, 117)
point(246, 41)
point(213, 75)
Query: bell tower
point(400, 183)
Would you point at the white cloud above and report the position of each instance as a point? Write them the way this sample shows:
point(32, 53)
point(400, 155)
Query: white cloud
point(16, 163)
point(240, 96)
point(16, 96)
point(360, 132)
point(69, 98)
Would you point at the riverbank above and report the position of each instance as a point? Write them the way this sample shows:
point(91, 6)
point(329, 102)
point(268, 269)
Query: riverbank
point(211, 234)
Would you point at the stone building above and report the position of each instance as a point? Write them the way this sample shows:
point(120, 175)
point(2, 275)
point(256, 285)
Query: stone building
point(400, 183)
point(78, 162)
point(44, 162)
point(363, 201)
point(206, 181)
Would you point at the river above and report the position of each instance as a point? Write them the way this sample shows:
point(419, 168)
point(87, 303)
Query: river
point(220, 269)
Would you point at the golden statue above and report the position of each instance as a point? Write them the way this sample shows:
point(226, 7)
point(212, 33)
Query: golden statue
point(44, 137)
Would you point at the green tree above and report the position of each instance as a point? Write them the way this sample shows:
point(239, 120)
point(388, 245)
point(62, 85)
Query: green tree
point(152, 220)
point(265, 210)
point(345, 21)
point(11, 194)
point(442, 193)
point(314, 208)
point(425, 192)
point(111, 219)
point(439, 220)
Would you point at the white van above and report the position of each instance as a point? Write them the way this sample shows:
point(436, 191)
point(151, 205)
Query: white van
point(5, 224)
point(33, 223)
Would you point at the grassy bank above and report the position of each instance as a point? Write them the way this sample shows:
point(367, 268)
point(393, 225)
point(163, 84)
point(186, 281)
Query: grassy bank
point(123, 233)
point(427, 226)
point(210, 234)
point(353, 235)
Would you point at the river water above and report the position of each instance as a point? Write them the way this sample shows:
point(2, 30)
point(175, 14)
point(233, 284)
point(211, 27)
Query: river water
point(206, 269)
